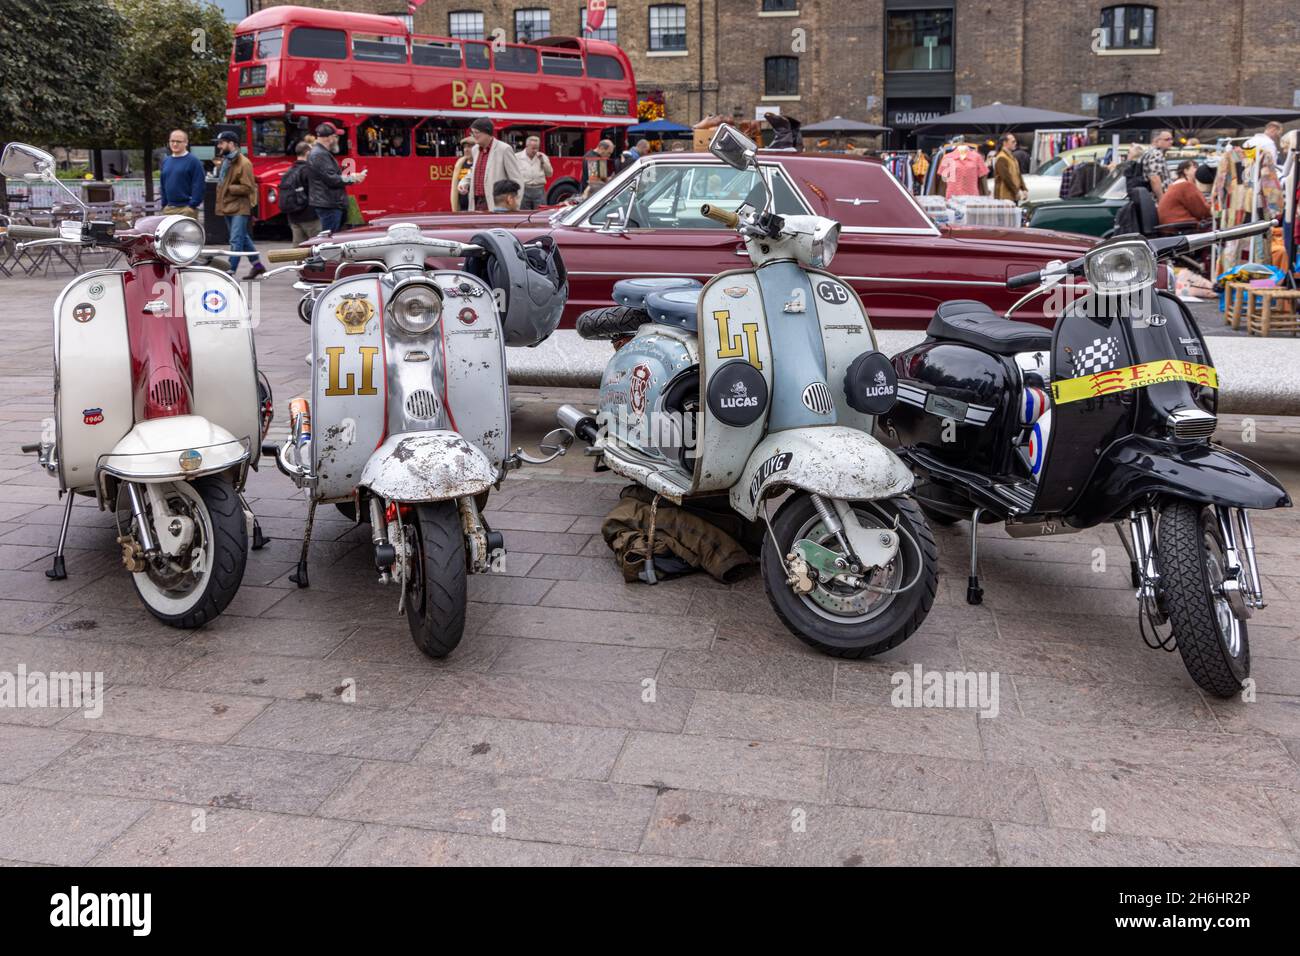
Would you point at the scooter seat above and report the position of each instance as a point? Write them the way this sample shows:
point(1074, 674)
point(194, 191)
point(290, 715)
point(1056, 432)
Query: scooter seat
point(974, 323)
point(633, 292)
point(676, 307)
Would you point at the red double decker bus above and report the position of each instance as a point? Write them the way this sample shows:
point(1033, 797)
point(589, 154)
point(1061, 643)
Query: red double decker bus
point(404, 102)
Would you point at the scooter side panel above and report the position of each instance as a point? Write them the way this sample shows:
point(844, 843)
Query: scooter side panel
point(732, 327)
point(93, 397)
point(474, 365)
point(224, 368)
point(349, 383)
point(846, 334)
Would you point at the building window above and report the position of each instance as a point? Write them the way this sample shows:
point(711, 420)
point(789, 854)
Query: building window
point(608, 29)
point(465, 24)
point(1116, 105)
point(781, 76)
point(1129, 27)
point(780, 6)
point(668, 26)
point(919, 40)
point(531, 24)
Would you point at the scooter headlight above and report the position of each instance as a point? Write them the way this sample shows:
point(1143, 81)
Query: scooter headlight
point(179, 239)
point(416, 307)
point(1121, 267)
point(826, 240)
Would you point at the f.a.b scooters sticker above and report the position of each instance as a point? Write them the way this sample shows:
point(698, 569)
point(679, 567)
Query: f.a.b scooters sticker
point(737, 394)
point(1130, 377)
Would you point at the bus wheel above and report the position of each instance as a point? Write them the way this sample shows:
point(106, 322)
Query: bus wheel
point(561, 192)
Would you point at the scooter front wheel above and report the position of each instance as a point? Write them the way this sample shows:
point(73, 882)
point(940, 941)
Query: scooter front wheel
point(844, 621)
point(437, 591)
point(1211, 639)
point(189, 590)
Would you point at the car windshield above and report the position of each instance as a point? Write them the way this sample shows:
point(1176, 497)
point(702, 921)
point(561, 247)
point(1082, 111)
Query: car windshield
point(1110, 187)
point(669, 196)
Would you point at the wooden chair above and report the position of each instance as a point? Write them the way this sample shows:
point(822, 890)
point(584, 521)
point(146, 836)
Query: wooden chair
point(1234, 302)
point(1278, 310)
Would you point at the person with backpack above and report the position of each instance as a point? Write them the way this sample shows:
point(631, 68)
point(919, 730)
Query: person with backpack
point(295, 189)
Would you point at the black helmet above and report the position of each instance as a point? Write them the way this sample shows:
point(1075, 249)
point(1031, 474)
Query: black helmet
point(532, 280)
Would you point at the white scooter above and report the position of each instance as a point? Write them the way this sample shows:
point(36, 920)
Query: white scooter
point(764, 386)
point(158, 406)
point(411, 404)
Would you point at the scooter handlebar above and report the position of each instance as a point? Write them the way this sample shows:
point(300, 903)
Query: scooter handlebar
point(1024, 279)
point(24, 233)
point(728, 219)
point(288, 255)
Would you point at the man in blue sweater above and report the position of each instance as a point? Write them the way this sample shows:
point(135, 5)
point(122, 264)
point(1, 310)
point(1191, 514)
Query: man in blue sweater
point(182, 178)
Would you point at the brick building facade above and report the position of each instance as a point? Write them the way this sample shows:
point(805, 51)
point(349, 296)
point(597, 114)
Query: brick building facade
point(898, 62)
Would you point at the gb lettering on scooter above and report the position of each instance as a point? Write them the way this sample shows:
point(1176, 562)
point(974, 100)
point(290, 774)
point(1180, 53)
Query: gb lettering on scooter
point(407, 424)
point(776, 368)
point(159, 411)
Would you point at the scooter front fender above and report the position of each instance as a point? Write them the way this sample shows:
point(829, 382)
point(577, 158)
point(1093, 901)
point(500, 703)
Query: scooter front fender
point(151, 451)
point(1137, 466)
point(831, 460)
point(435, 465)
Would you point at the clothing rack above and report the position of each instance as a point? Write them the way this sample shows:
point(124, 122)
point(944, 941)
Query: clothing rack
point(899, 163)
point(1052, 142)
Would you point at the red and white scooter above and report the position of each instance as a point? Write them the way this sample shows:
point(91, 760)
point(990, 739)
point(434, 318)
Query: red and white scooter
point(158, 406)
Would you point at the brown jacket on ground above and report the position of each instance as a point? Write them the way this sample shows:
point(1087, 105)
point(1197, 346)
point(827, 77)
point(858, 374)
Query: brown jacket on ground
point(1007, 182)
point(237, 192)
point(678, 533)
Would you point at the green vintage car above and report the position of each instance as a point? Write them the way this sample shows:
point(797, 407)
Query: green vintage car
point(1092, 214)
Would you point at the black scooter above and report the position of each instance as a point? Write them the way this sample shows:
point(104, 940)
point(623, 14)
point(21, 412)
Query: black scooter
point(1107, 417)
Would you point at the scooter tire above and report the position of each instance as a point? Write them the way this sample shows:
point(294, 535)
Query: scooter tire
point(853, 640)
point(435, 610)
point(1188, 591)
point(229, 556)
point(934, 516)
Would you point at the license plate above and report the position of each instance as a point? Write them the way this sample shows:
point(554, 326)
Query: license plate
point(945, 407)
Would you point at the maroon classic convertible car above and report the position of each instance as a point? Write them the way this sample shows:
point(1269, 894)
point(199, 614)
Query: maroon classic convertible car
point(646, 221)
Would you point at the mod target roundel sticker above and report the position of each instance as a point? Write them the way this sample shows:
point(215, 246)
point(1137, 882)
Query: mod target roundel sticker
point(214, 300)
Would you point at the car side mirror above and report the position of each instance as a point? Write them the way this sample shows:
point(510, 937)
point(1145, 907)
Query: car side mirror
point(21, 161)
point(733, 147)
point(616, 221)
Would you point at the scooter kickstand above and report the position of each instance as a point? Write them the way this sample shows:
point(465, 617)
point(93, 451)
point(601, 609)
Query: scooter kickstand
point(299, 577)
point(974, 593)
point(60, 569)
point(260, 540)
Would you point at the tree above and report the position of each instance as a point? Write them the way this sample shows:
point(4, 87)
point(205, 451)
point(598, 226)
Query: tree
point(57, 81)
point(173, 71)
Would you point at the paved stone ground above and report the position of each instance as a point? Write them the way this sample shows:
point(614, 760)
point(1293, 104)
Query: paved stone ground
point(756, 750)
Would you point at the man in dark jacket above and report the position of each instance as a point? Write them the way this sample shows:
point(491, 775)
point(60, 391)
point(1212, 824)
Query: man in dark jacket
point(294, 199)
point(327, 192)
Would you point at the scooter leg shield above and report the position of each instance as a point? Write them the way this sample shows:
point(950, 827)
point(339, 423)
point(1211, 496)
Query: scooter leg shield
point(427, 466)
point(832, 461)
